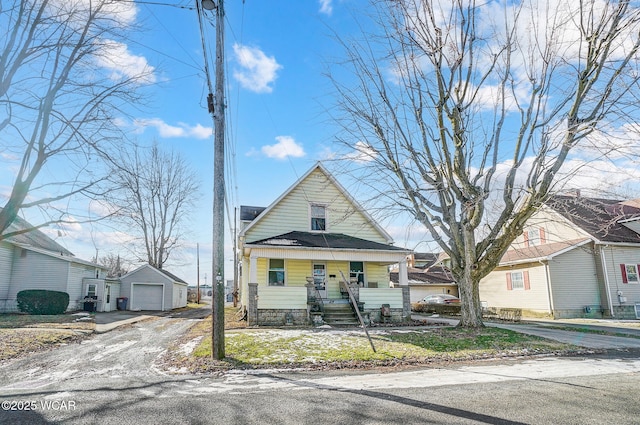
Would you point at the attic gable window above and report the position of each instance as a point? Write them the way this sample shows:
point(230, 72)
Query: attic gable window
point(318, 217)
point(534, 237)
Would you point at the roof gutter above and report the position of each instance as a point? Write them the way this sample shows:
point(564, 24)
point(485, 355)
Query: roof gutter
point(547, 275)
point(606, 279)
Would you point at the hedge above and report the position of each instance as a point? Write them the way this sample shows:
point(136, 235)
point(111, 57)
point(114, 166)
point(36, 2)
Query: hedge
point(42, 301)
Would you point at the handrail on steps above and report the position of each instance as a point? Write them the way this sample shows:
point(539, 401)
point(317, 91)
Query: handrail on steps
point(354, 303)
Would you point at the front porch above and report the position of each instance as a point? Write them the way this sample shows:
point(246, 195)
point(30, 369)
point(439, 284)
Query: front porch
point(302, 305)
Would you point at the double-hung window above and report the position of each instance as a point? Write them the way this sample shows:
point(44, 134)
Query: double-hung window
point(276, 272)
point(356, 271)
point(518, 281)
point(629, 273)
point(318, 217)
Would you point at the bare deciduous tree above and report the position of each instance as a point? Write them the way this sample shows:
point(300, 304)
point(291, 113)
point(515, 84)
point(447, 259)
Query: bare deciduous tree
point(153, 193)
point(60, 89)
point(459, 106)
point(116, 266)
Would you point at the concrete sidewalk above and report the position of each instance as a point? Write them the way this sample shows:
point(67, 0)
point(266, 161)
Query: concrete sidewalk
point(550, 329)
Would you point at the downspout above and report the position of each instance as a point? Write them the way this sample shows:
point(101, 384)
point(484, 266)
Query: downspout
point(606, 280)
point(547, 274)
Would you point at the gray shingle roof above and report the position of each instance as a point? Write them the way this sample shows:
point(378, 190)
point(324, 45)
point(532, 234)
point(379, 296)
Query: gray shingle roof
point(34, 238)
point(323, 240)
point(598, 217)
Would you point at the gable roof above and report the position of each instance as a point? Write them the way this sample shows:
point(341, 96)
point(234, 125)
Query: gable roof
point(336, 184)
point(540, 252)
point(323, 240)
point(436, 275)
point(34, 238)
point(600, 218)
point(248, 213)
point(163, 272)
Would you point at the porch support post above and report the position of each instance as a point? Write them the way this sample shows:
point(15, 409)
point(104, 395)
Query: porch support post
point(403, 280)
point(253, 269)
point(403, 275)
point(252, 308)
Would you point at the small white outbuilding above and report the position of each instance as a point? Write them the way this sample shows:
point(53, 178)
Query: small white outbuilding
point(153, 289)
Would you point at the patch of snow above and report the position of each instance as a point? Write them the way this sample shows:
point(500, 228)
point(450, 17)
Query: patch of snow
point(188, 348)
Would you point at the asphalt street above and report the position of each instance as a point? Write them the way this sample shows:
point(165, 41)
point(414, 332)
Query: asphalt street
point(112, 378)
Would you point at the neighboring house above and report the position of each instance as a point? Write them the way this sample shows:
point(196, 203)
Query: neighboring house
point(578, 257)
point(151, 288)
point(299, 248)
point(32, 260)
point(426, 276)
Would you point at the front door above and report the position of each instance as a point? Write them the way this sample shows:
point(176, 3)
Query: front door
point(320, 278)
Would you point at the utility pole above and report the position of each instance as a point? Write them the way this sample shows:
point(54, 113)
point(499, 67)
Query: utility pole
point(216, 107)
point(235, 257)
point(217, 349)
point(198, 272)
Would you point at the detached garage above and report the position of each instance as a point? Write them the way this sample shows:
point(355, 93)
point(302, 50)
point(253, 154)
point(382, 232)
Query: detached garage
point(150, 288)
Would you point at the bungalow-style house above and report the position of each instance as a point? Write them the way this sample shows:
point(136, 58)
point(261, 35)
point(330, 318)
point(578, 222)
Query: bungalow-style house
point(578, 257)
point(298, 252)
point(32, 260)
point(151, 288)
point(426, 276)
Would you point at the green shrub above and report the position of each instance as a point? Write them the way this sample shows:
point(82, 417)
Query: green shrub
point(42, 301)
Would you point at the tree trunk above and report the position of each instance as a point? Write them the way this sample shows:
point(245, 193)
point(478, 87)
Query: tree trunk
point(469, 283)
point(470, 308)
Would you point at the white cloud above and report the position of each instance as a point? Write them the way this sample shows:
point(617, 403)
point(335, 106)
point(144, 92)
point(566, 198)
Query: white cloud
point(258, 71)
point(170, 131)
point(363, 152)
point(326, 7)
point(116, 58)
point(286, 147)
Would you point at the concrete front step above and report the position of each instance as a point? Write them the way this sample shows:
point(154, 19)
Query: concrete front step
point(339, 315)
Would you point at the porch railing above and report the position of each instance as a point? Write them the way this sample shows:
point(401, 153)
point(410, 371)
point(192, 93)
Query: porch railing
point(354, 304)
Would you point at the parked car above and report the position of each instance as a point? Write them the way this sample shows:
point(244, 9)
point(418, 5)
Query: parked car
point(440, 299)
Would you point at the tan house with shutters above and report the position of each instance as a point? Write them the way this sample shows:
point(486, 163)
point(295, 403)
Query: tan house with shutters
point(296, 252)
point(578, 257)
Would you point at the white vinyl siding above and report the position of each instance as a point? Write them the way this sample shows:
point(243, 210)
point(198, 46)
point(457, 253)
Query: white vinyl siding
point(615, 256)
point(6, 260)
point(292, 212)
point(574, 279)
point(38, 271)
point(149, 275)
point(179, 295)
point(74, 286)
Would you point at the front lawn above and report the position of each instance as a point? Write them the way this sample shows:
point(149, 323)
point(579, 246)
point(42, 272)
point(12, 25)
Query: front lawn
point(338, 348)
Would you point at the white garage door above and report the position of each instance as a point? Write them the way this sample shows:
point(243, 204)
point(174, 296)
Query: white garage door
point(146, 296)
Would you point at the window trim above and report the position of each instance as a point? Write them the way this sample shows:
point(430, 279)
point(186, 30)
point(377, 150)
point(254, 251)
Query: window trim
point(364, 276)
point(526, 283)
point(625, 273)
point(283, 270)
point(325, 218)
point(537, 239)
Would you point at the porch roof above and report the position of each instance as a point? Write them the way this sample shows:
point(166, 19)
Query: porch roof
point(320, 240)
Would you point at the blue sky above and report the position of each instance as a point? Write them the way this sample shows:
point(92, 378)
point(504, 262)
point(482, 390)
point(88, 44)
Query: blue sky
point(277, 96)
point(276, 53)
